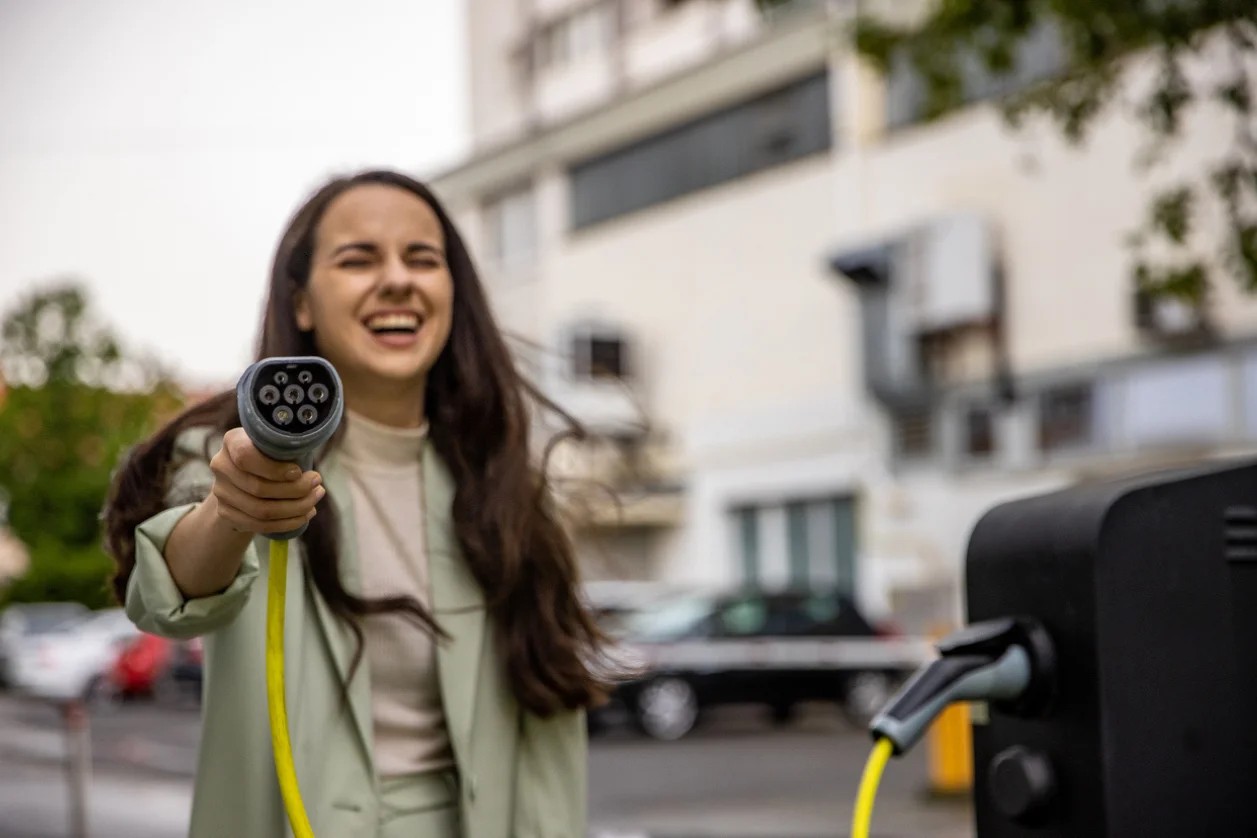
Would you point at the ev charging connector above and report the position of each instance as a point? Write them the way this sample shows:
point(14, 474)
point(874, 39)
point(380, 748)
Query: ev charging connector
point(1009, 662)
point(289, 407)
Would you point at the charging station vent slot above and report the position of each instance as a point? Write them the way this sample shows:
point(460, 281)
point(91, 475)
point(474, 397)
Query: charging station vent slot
point(1240, 533)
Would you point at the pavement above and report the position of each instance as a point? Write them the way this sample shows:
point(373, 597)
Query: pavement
point(735, 777)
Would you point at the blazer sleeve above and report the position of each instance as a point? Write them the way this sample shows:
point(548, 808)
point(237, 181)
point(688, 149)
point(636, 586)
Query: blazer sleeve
point(154, 602)
point(551, 776)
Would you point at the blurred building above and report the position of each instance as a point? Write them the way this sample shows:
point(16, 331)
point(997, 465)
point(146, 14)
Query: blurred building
point(819, 336)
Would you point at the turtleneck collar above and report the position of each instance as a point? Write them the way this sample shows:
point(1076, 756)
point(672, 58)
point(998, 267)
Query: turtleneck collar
point(370, 443)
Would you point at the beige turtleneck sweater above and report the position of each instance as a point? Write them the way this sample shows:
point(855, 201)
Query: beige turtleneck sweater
point(386, 488)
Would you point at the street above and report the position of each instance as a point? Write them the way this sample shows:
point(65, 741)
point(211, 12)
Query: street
point(735, 777)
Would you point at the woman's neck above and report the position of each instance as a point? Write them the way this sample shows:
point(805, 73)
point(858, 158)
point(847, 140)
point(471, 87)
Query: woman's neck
point(387, 408)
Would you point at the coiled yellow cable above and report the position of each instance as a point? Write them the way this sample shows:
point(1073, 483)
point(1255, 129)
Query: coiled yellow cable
point(284, 767)
point(862, 819)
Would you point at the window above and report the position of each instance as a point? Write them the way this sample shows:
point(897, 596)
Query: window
point(913, 434)
point(980, 431)
point(1066, 417)
point(1039, 56)
point(511, 227)
point(670, 620)
point(748, 543)
point(817, 542)
point(744, 617)
point(584, 32)
point(776, 128)
point(599, 356)
point(1173, 402)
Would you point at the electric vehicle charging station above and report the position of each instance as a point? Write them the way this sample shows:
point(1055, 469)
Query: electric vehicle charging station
point(1147, 587)
point(1133, 603)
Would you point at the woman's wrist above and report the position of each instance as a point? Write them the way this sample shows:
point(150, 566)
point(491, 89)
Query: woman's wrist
point(204, 551)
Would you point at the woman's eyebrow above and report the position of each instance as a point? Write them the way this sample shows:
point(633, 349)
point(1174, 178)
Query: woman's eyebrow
point(368, 246)
point(423, 247)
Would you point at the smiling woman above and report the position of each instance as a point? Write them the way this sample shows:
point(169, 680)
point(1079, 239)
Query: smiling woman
point(440, 593)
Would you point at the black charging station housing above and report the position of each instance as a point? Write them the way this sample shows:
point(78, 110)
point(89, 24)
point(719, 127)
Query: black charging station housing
point(1148, 588)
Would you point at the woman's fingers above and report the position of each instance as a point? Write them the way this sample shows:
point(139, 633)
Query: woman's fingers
point(255, 493)
point(266, 509)
point(246, 457)
point(246, 523)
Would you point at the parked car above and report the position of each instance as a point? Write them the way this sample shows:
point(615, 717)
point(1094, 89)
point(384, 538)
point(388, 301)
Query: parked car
point(778, 650)
point(73, 660)
point(140, 666)
point(25, 620)
point(149, 666)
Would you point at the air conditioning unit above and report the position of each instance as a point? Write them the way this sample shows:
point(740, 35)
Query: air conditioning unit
point(947, 268)
point(933, 277)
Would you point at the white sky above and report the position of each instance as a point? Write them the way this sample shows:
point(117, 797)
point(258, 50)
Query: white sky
point(155, 148)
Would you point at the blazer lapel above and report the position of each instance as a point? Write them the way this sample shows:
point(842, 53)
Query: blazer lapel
point(458, 605)
point(340, 640)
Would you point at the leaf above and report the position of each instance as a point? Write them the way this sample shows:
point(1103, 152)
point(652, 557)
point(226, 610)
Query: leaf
point(1226, 182)
point(1236, 94)
point(1244, 245)
point(1172, 213)
point(1163, 108)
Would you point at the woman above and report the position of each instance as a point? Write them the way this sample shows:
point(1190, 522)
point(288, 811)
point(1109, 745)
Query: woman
point(438, 657)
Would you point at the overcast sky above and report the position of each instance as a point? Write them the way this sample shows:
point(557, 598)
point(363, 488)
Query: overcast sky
point(155, 148)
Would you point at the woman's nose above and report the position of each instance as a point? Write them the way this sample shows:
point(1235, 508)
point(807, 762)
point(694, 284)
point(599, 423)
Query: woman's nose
point(396, 277)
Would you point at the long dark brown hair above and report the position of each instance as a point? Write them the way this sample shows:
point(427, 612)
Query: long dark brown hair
point(503, 513)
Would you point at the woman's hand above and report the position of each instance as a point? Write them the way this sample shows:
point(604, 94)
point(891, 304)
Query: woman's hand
point(253, 493)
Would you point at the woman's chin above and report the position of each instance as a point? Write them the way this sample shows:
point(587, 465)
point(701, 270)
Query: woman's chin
point(408, 373)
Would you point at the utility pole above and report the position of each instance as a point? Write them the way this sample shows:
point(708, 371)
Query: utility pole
point(78, 763)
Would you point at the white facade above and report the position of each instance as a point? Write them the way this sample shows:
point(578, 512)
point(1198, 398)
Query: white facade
point(745, 362)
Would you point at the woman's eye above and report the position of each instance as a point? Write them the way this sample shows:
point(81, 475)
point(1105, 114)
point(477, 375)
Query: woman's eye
point(354, 263)
point(426, 264)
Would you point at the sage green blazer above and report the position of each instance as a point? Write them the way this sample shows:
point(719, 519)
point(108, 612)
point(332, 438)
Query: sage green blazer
point(522, 776)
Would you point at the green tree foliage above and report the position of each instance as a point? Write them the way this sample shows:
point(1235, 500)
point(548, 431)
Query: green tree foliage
point(75, 403)
point(1099, 37)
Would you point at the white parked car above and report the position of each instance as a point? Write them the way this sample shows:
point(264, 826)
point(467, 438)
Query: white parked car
point(25, 620)
point(72, 661)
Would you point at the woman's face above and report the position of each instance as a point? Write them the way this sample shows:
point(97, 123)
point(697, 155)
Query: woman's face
point(380, 295)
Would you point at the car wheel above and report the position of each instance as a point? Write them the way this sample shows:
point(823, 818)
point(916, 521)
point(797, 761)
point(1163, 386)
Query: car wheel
point(782, 713)
point(667, 708)
point(866, 694)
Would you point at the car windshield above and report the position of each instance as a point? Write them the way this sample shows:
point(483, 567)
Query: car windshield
point(666, 621)
point(45, 619)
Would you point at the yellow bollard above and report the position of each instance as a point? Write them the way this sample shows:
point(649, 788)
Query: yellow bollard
point(951, 752)
point(950, 746)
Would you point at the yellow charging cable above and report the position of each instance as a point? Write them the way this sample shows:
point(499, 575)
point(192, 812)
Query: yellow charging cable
point(862, 820)
point(284, 767)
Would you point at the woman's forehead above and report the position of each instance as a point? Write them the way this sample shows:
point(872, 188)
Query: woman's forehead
point(379, 211)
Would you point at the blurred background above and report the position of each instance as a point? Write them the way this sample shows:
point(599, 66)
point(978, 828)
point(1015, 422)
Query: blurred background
point(828, 279)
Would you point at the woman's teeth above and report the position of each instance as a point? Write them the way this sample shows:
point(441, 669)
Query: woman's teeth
point(393, 323)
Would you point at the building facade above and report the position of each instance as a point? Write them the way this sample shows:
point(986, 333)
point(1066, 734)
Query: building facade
point(816, 335)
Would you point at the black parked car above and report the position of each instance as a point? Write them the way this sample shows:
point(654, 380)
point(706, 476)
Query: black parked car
point(778, 650)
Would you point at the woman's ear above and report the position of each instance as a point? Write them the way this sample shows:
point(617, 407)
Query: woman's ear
point(301, 310)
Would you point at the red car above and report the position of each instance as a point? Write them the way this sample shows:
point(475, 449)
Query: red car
point(141, 665)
